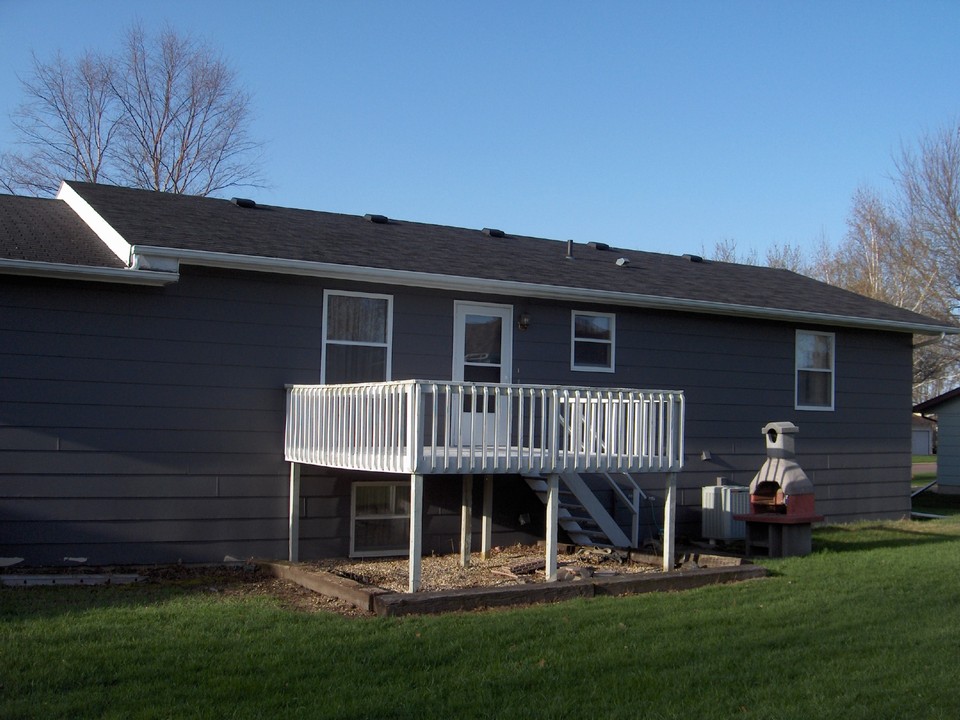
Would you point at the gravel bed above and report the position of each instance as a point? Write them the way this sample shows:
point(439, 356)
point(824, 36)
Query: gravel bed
point(512, 565)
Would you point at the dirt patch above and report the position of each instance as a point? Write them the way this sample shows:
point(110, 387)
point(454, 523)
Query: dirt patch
point(245, 581)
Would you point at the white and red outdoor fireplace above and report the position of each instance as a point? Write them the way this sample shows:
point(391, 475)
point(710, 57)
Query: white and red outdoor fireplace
point(782, 506)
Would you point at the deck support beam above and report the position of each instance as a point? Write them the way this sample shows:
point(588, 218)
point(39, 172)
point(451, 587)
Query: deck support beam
point(293, 529)
point(416, 530)
point(553, 517)
point(466, 521)
point(669, 523)
point(486, 526)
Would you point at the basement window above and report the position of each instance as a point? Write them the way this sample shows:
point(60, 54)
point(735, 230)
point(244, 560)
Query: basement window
point(814, 370)
point(380, 519)
point(357, 337)
point(592, 341)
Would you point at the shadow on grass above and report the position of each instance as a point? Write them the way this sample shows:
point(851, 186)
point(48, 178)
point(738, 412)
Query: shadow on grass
point(160, 587)
point(937, 503)
point(857, 537)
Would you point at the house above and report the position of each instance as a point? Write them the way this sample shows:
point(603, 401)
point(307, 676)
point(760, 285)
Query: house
point(177, 383)
point(946, 409)
point(924, 436)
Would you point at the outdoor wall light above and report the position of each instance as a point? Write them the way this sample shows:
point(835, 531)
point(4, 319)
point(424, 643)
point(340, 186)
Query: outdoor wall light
point(523, 322)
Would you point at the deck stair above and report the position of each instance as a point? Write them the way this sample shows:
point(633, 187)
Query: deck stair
point(583, 516)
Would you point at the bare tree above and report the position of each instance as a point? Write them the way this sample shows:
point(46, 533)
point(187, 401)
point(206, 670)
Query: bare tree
point(929, 188)
point(880, 257)
point(66, 123)
point(163, 114)
point(787, 257)
point(184, 124)
point(726, 250)
point(905, 250)
point(6, 175)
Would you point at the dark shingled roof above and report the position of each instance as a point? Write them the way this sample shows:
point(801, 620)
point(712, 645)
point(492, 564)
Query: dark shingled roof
point(43, 230)
point(933, 404)
point(183, 222)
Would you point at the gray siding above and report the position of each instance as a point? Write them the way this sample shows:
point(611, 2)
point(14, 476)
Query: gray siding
point(146, 425)
point(948, 446)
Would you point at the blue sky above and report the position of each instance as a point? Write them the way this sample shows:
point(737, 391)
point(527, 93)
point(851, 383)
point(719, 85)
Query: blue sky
point(662, 126)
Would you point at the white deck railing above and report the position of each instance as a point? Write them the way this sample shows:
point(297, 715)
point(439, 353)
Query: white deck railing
point(428, 427)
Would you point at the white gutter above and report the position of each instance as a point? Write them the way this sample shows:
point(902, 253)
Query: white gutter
point(65, 271)
point(149, 257)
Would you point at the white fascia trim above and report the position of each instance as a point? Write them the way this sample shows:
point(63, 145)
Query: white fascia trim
point(65, 271)
point(147, 256)
point(110, 237)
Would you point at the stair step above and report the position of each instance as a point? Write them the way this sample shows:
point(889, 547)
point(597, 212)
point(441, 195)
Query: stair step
point(595, 533)
point(580, 513)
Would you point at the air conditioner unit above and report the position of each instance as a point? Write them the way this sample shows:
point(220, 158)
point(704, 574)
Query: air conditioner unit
point(720, 503)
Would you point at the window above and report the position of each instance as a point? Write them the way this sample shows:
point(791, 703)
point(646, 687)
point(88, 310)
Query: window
point(357, 335)
point(592, 343)
point(815, 356)
point(380, 523)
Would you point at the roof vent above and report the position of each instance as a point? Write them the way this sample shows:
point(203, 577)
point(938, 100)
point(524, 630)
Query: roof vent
point(569, 249)
point(693, 258)
point(493, 232)
point(378, 219)
point(623, 261)
point(598, 245)
point(243, 202)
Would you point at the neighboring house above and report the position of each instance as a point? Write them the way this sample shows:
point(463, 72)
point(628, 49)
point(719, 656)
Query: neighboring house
point(147, 341)
point(946, 409)
point(924, 436)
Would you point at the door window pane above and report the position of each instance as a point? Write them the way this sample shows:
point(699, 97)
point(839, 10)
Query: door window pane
point(481, 373)
point(482, 339)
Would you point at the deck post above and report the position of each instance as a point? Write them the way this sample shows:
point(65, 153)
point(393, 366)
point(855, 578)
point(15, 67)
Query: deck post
point(416, 530)
point(669, 523)
point(486, 526)
point(293, 530)
point(553, 515)
point(466, 521)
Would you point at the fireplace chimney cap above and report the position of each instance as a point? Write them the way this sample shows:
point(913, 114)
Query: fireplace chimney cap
point(780, 440)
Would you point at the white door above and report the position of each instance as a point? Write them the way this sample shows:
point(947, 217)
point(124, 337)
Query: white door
point(482, 353)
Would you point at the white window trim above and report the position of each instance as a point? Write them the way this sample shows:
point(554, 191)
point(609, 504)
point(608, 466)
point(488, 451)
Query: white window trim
point(831, 371)
point(399, 486)
point(612, 342)
point(389, 341)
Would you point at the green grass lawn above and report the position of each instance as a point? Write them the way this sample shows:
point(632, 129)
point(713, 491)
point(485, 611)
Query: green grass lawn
point(868, 626)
